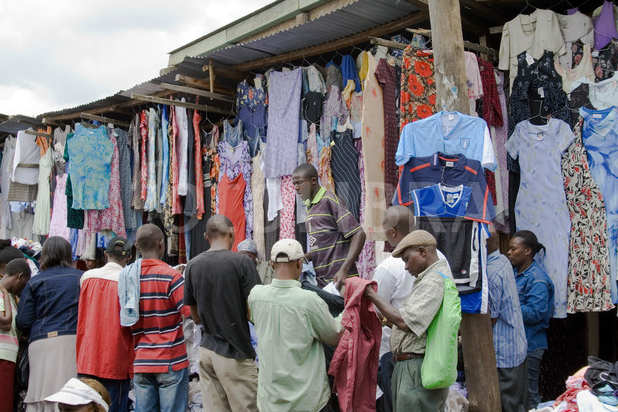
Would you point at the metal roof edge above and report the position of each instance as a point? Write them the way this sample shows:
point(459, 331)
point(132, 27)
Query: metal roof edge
point(248, 25)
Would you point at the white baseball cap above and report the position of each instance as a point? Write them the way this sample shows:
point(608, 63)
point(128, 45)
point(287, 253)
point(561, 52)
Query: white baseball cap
point(76, 392)
point(287, 250)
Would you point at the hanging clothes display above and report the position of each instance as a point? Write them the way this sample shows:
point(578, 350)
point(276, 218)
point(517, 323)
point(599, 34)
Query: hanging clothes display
point(366, 263)
point(334, 111)
point(385, 74)
point(126, 184)
point(234, 162)
point(280, 155)
point(589, 288)
point(75, 217)
point(152, 193)
point(90, 155)
point(42, 211)
point(344, 163)
point(58, 223)
point(534, 34)
point(418, 87)
point(600, 137)
point(111, 218)
point(26, 153)
point(575, 28)
point(286, 215)
point(536, 76)
point(452, 133)
point(251, 105)
point(257, 191)
point(372, 119)
point(182, 124)
point(541, 203)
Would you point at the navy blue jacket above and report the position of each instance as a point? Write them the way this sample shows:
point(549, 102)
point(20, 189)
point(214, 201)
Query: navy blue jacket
point(49, 302)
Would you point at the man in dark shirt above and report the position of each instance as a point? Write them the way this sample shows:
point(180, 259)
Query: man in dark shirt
point(335, 236)
point(218, 283)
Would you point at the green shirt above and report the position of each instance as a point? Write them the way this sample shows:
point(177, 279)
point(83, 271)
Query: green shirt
point(291, 324)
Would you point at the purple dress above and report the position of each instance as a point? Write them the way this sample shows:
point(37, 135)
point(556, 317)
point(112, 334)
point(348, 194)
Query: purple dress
point(284, 89)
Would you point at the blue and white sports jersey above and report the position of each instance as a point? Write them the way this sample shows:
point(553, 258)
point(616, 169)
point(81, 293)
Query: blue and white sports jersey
point(450, 133)
point(441, 201)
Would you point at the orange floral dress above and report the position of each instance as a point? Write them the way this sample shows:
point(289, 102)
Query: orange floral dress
point(418, 87)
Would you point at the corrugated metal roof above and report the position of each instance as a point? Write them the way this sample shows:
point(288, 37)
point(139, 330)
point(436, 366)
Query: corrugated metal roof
point(349, 20)
point(14, 124)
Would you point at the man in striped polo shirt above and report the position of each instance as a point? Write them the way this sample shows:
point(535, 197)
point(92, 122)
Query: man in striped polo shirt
point(335, 236)
point(161, 378)
point(508, 328)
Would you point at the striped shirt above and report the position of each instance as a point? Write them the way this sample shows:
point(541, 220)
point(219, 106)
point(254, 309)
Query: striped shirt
point(330, 226)
point(509, 334)
point(158, 336)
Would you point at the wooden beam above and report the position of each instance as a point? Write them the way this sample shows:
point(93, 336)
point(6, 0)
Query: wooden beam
point(496, 30)
point(198, 92)
point(452, 95)
point(102, 119)
point(40, 134)
point(391, 27)
point(396, 45)
point(201, 84)
point(226, 72)
point(159, 100)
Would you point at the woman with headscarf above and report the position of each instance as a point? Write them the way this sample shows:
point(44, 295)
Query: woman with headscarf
point(47, 313)
point(536, 298)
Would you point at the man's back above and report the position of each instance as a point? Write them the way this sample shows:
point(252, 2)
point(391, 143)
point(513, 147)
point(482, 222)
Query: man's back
point(104, 348)
point(219, 282)
point(291, 323)
point(158, 335)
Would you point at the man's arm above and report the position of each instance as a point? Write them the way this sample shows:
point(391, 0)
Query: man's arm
point(194, 315)
point(387, 310)
point(357, 241)
point(6, 314)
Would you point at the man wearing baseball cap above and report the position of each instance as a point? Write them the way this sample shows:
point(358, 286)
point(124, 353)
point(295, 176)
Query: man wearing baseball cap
point(104, 348)
point(410, 322)
point(293, 323)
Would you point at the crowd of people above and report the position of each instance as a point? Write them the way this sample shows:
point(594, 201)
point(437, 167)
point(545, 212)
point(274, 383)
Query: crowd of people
point(123, 322)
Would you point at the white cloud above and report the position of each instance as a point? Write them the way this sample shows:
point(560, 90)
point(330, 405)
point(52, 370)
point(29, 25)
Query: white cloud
point(62, 53)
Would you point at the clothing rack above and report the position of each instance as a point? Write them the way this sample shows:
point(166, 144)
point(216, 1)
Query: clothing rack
point(467, 44)
point(41, 134)
point(159, 100)
point(197, 92)
point(103, 119)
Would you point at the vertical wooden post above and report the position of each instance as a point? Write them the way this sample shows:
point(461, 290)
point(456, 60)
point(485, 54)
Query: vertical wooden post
point(452, 95)
point(211, 74)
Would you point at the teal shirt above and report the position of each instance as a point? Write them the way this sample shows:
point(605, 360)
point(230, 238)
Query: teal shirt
point(291, 324)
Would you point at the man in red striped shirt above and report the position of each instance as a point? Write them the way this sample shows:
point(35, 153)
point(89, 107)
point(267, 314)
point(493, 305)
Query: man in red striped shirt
point(161, 378)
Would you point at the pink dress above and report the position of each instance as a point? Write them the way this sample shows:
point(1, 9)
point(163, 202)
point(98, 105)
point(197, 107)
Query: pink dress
point(58, 225)
point(286, 220)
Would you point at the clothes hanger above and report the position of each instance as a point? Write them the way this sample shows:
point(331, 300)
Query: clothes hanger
point(526, 6)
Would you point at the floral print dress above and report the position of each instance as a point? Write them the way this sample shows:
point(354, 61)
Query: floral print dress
point(418, 88)
point(589, 287)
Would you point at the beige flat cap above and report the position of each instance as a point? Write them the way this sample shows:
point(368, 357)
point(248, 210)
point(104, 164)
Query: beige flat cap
point(415, 238)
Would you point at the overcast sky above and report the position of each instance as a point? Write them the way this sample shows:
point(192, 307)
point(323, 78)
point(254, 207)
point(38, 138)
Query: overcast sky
point(62, 53)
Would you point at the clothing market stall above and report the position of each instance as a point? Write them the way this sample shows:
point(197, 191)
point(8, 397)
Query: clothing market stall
point(353, 88)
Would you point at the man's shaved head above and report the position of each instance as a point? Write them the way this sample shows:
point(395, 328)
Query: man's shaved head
point(399, 218)
point(306, 171)
point(217, 226)
point(148, 237)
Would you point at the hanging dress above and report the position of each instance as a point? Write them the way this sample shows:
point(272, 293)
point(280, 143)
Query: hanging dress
point(541, 204)
point(42, 210)
point(589, 288)
point(600, 137)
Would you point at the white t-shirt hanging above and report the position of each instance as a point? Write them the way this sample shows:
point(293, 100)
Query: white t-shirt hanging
point(532, 33)
point(26, 152)
point(183, 142)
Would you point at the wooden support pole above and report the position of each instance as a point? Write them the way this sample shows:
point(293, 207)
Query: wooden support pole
point(452, 95)
point(198, 92)
point(211, 76)
point(159, 100)
point(102, 119)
